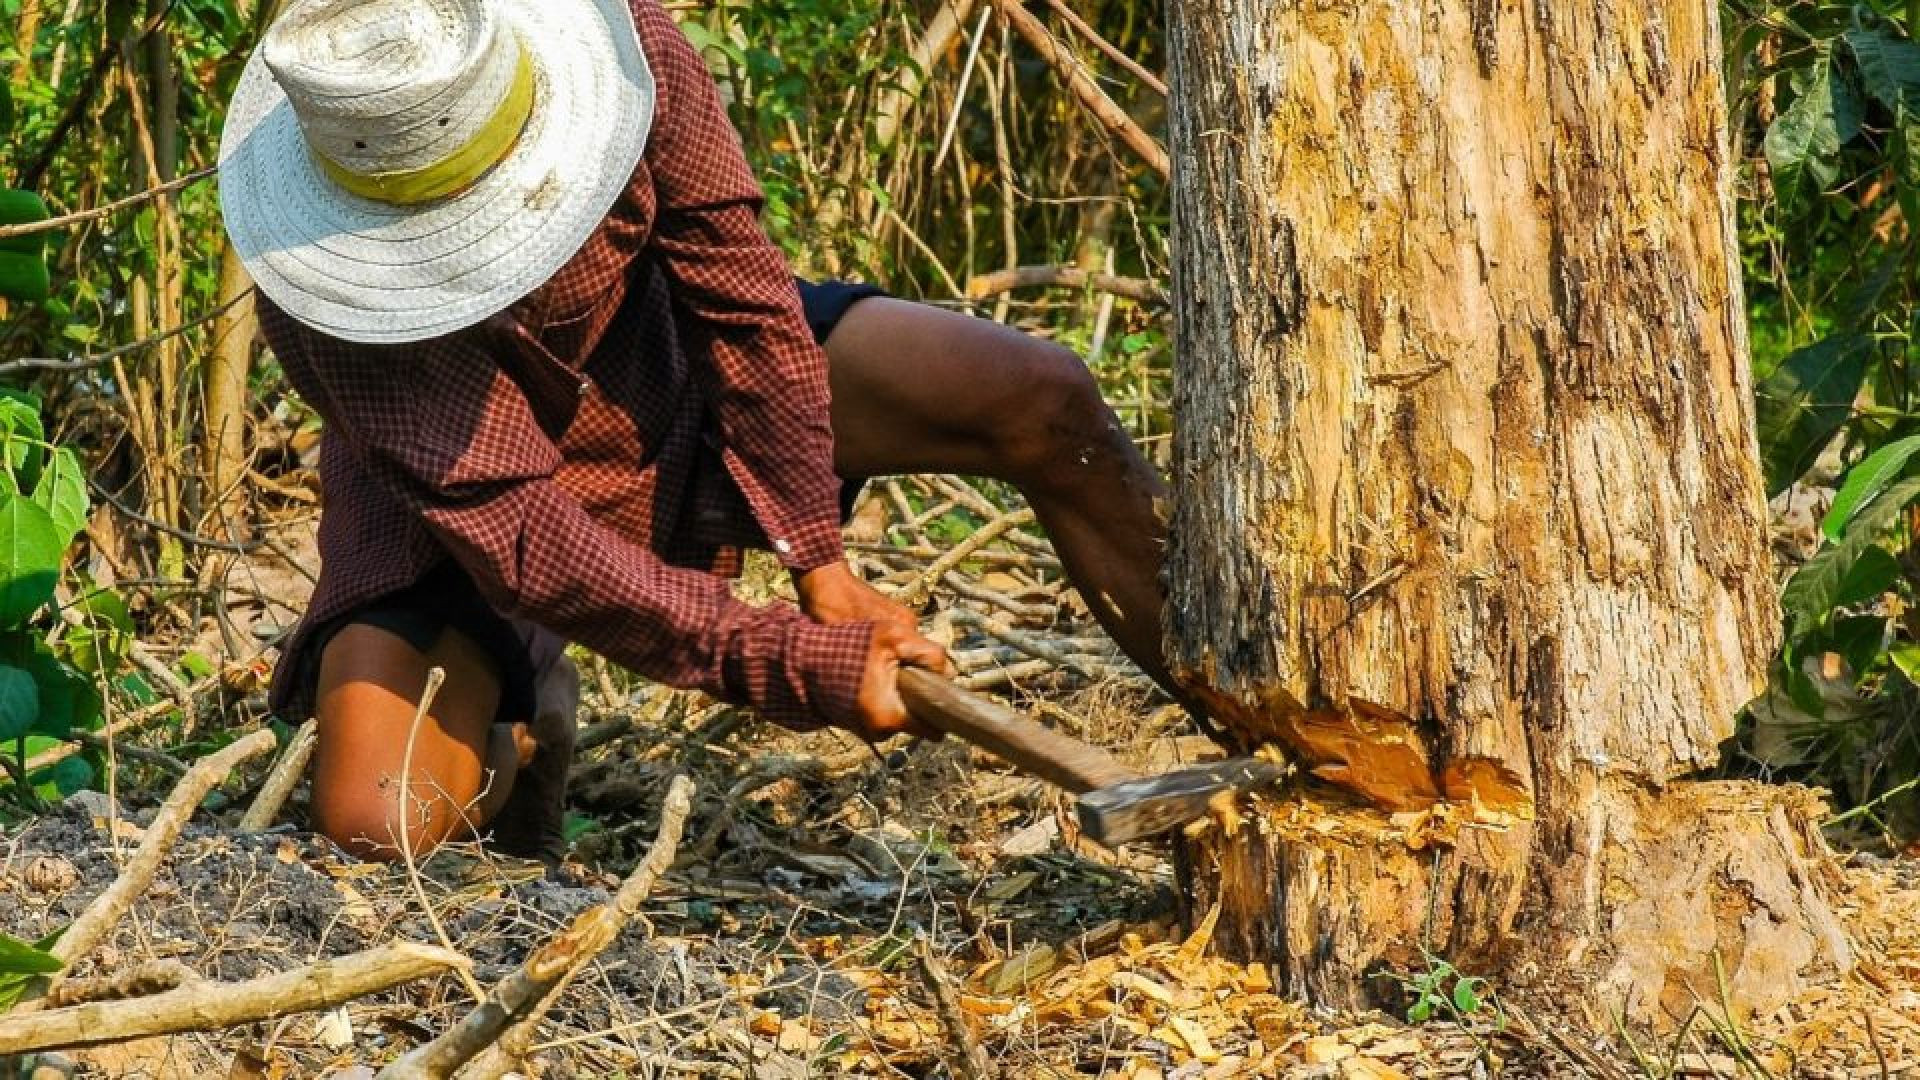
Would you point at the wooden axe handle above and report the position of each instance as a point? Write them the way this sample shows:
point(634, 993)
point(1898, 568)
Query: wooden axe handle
point(1048, 754)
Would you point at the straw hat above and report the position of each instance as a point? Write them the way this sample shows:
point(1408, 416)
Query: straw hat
point(394, 170)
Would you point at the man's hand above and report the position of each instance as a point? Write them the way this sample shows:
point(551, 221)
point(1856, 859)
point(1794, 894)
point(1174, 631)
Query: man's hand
point(882, 714)
point(832, 595)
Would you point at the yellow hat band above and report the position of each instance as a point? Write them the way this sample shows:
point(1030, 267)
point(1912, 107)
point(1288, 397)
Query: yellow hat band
point(457, 171)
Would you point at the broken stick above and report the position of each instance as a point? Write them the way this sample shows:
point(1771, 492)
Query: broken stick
point(281, 779)
point(213, 1006)
point(496, 1035)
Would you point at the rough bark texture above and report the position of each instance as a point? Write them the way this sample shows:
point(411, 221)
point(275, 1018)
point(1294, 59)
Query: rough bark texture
point(1465, 431)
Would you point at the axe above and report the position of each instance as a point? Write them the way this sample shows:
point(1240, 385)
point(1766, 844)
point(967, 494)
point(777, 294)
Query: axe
point(1116, 804)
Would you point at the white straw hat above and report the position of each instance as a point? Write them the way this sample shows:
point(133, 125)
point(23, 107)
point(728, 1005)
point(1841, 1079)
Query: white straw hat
point(395, 170)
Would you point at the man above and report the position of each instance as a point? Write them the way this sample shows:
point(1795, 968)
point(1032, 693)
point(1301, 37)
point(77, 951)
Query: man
point(509, 251)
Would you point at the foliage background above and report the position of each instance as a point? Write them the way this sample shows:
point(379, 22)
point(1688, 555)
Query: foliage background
point(925, 146)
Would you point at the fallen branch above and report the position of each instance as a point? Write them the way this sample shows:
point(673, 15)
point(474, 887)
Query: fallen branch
point(916, 594)
point(1023, 642)
point(213, 1006)
point(1139, 290)
point(144, 980)
point(281, 779)
point(1081, 82)
point(107, 908)
point(998, 677)
point(497, 1035)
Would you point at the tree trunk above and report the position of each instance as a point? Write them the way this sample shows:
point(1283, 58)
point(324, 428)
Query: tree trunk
point(1466, 458)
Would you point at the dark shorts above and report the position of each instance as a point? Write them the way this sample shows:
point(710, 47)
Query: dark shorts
point(446, 598)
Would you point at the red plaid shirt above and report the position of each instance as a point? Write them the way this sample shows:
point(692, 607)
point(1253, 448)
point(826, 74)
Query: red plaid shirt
point(595, 456)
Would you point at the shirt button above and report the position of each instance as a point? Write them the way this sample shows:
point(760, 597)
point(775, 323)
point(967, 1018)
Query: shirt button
point(585, 387)
point(783, 547)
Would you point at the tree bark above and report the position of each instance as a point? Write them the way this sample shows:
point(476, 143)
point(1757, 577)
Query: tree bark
point(1465, 439)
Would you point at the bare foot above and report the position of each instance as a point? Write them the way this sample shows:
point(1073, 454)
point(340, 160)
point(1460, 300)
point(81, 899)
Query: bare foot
point(532, 821)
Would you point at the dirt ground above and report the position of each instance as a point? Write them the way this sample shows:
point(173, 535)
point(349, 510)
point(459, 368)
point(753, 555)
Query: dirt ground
point(783, 942)
point(813, 874)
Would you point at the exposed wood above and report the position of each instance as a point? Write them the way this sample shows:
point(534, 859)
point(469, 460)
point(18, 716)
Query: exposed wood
point(1055, 757)
point(212, 1006)
point(1465, 441)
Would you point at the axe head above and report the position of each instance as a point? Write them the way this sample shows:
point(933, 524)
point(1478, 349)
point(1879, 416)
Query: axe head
point(1118, 813)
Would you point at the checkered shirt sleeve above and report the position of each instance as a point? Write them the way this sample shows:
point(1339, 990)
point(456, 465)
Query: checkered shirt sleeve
point(737, 308)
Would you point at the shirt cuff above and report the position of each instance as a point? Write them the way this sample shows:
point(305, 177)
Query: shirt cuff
point(809, 546)
point(798, 673)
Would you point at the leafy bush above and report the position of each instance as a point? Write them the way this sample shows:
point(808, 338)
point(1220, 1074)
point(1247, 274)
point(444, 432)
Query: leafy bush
point(47, 669)
point(1830, 93)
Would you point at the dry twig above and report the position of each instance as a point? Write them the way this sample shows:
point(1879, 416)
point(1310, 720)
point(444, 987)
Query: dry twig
point(1139, 290)
point(281, 779)
point(497, 1034)
point(916, 594)
point(1081, 82)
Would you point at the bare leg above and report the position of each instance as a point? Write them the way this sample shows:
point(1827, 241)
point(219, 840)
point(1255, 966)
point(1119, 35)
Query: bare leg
point(465, 766)
point(917, 389)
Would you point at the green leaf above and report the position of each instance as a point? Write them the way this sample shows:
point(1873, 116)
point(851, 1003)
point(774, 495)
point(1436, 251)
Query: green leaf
point(23, 260)
point(1466, 995)
point(31, 549)
point(19, 703)
point(63, 778)
point(1803, 143)
point(13, 985)
point(68, 699)
point(1865, 480)
point(1889, 67)
point(1872, 574)
point(1811, 595)
point(1906, 656)
point(1421, 1012)
point(1804, 402)
point(22, 433)
point(62, 493)
point(19, 958)
point(1860, 640)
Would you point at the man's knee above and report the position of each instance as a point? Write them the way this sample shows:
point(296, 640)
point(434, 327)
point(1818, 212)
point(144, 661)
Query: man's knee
point(1062, 423)
point(366, 822)
point(361, 829)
